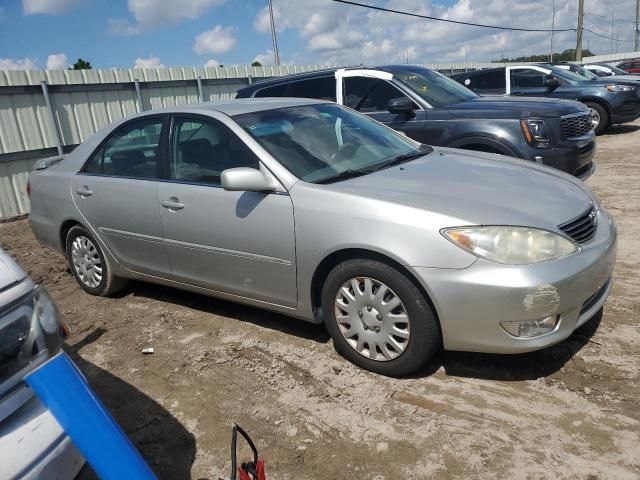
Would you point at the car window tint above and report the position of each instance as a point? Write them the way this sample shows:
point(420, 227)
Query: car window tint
point(527, 78)
point(369, 94)
point(132, 151)
point(323, 88)
point(202, 149)
point(275, 91)
point(489, 80)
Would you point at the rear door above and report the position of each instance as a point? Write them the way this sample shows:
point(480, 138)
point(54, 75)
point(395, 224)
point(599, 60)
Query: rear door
point(527, 81)
point(371, 95)
point(117, 193)
point(240, 243)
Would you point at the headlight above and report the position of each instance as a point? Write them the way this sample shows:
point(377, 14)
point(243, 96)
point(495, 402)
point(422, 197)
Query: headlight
point(535, 132)
point(511, 245)
point(620, 88)
point(46, 312)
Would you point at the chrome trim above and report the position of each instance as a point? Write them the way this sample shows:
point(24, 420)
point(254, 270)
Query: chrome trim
point(578, 114)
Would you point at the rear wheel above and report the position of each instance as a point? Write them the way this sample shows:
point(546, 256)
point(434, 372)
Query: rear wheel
point(599, 117)
point(89, 266)
point(378, 318)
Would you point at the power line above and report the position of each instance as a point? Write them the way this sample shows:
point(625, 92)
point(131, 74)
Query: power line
point(427, 17)
point(606, 36)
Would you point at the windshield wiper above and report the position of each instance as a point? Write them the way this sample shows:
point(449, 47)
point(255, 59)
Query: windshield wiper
point(345, 174)
point(405, 157)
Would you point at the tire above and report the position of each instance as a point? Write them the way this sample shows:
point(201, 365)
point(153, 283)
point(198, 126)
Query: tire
point(601, 112)
point(379, 355)
point(81, 245)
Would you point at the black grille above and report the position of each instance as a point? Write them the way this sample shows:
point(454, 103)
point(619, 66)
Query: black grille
point(583, 228)
point(576, 125)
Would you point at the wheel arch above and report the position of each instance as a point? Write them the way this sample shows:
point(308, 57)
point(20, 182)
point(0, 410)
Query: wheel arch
point(486, 144)
point(64, 231)
point(335, 258)
point(600, 102)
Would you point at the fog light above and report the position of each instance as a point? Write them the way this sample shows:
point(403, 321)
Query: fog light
point(531, 328)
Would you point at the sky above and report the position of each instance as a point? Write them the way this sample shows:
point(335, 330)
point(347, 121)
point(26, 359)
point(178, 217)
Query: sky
point(153, 33)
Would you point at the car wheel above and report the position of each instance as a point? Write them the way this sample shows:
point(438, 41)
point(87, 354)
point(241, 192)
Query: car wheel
point(599, 117)
point(378, 318)
point(88, 264)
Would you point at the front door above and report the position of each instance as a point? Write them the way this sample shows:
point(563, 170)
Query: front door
point(371, 95)
point(241, 243)
point(117, 194)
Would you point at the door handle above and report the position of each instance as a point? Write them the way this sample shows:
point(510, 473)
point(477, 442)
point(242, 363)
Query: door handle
point(172, 204)
point(84, 191)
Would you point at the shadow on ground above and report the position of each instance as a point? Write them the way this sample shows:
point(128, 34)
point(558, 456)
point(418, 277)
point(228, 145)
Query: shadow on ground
point(165, 444)
point(234, 311)
point(621, 129)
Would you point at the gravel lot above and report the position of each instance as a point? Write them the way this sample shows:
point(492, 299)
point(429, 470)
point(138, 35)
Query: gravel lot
point(571, 411)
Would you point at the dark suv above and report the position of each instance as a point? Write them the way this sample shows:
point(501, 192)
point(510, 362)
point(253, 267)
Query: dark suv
point(433, 109)
point(611, 101)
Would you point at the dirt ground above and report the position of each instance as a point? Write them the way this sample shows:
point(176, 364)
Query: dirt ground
point(571, 411)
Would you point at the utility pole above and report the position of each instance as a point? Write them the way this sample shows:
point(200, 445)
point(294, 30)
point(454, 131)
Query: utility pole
point(276, 55)
point(580, 30)
point(637, 36)
point(613, 19)
point(553, 27)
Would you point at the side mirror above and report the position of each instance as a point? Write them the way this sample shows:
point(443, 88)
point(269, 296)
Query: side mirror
point(551, 83)
point(244, 179)
point(399, 106)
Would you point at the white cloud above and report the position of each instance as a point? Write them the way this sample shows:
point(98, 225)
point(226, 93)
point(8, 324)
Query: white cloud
point(217, 40)
point(57, 61)
point(150, 14)
point(18, 64)
point(344, 34)
point(265, 58)
point(150, 62)
point(50, 7)
point(212, 63)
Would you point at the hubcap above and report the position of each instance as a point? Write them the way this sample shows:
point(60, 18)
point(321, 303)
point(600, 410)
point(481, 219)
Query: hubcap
point(372, 319)
point(595, 117)
point(86, 261)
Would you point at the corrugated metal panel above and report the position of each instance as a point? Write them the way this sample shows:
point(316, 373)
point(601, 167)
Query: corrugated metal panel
point(13, 183)
point(612, 57)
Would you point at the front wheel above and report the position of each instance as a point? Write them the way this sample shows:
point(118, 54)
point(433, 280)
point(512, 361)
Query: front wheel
point(378, 318)
point(599, 117)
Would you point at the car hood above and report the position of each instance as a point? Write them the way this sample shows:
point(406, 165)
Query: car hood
point(10, 272)
point(474, 188)
point(515, 107)
point(617, 79)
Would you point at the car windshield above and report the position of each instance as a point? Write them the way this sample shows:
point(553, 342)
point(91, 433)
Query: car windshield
point(587, 74)
point(616, 70)
point(327, 142)
point(571, 77)
point(435, 88)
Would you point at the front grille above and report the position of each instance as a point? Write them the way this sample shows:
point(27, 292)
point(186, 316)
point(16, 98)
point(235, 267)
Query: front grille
point(583, 228)
point(576, 125)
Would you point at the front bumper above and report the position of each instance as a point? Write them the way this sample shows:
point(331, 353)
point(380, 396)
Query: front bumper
point(572, 157)
point(34, 446)
point(472, 302)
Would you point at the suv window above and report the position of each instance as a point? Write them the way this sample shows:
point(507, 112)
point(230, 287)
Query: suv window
point(202, 149)
point(323, 88)
point(366, 94)
point(489, 80)
point(132, 151)
point(275, 91)
point(527, 78)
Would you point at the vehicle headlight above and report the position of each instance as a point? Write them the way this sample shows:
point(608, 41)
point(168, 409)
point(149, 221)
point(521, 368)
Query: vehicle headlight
point(620, 88)
point(511, 245)
point(535, 132)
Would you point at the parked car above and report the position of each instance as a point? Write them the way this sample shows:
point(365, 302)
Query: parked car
point(590, 74)
point(610, 102)
point(630, 66)
point(32, 444)
point(432, 109)
point(313, 210)
point(611, 71)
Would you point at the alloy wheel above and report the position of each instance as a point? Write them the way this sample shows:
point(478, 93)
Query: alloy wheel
point(595, 117)
point(372, 319)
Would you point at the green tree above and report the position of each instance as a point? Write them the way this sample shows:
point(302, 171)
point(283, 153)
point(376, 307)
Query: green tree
point(256, 63)
point(81, 64)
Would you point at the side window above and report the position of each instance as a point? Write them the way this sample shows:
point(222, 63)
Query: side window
point(489, 81)
point(275, 91)
point(132, 151)
point(323, 88)
point(527, 78)
point(202, 149)
point(366, 94)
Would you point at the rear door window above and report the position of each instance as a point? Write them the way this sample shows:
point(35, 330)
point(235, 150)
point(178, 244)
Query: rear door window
point(489, 82)
point(132, 151)
point(323, 88)
point(527, 78)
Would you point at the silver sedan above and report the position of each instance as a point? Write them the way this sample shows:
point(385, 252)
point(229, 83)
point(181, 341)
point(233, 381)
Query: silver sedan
point(310, 209)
